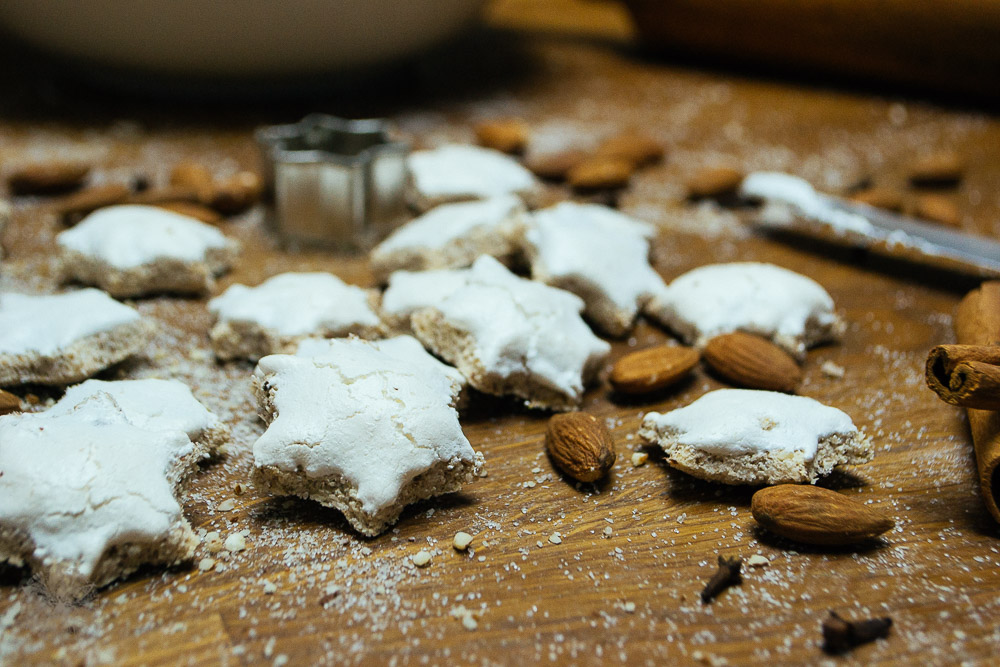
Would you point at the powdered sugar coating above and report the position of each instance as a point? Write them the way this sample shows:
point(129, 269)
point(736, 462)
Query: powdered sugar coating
point(46, 324)
point(298, 304)
point(729, 422)
point(796, 192)
point(126, 237)
point(114, 484)
point(404, 348)
point(773, 302)
point(360, 416)
point(451, 236)
point(516, 328)
point(457, 171)
point(153, 404)
point(600, 255)
point(409, 291)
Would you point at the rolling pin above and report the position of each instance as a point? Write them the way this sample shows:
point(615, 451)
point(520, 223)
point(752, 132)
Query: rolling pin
point(950, 46)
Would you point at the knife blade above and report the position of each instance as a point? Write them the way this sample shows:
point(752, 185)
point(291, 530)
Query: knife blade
point(791, 204)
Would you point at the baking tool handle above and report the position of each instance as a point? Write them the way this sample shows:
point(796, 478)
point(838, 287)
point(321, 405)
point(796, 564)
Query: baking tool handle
point(977, 322)
point(951, 45)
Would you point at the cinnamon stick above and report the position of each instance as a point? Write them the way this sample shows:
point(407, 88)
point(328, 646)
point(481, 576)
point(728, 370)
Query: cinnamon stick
point(965, 375)
point(977, 322)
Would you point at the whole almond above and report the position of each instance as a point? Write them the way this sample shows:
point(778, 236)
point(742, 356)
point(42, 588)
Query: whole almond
point(581, 445)
point(936, 170)
point(507, 136)
point(194, 176)
point(938, 208)
point(599, 173)
point(814, 515)
point(44, 178)
point(651, 369)
point(71, 207)
point(192, 210)
point(172, 193)
point(880, 197)
point(555, 166)
point(237, 193)
point(751, 361)
point(637, 149)
point(712, 182)
point(9, 403)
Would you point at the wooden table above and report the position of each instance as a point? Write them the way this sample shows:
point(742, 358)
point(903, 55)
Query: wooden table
point(630, 596)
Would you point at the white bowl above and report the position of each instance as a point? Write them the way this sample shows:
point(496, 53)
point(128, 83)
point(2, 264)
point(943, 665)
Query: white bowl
point(236, 38)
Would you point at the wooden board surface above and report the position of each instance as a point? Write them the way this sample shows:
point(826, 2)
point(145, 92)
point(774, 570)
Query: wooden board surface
point(631, 596)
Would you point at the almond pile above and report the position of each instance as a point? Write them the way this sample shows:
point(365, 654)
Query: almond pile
point(608, 167)
point(192, 191)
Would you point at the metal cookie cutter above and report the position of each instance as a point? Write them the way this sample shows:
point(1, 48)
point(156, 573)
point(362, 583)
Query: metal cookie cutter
point(337, 183)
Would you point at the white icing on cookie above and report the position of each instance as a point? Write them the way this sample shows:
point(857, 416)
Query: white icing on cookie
point(730, 422)
point(127, 237)
point(451, 235)
point(298, 304)
point(764, 299)
point(360, 415)
point(46, 324)
point(80, 482)
point(793, 191)
point(409, 291)
point(467, 172)
point(156, 405)
point(600, 255)
point(518, 327)
point(405, 348)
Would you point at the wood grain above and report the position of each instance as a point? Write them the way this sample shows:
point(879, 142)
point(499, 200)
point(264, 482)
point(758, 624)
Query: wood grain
point(624, 595)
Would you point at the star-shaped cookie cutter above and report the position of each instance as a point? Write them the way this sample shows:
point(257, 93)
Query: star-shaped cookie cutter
point(337, 183)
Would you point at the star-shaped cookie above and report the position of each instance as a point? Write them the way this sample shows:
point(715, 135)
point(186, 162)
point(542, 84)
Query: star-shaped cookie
point(109, 506)
point(598, 254)
point(359, 430)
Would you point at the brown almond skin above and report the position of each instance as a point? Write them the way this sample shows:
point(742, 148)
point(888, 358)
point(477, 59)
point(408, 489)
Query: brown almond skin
point(581, 445)
point(195, 177)
point(751, 361)
point(600, 173)
point(45, 178)
point(889, 199)
point(937, 170)
point(653, 368)
point(555, 166)
point(938, 208)
point(714, 182)
point(507, 136)
point(637, 149)
point(236, 194)
point(9, 403)
point(814, 515)
point(192, 210)
point(74, 206)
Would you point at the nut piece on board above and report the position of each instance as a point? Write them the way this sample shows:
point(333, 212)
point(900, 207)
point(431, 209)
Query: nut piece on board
point(938, 208)
point(74, 206)
point(653, 368)
point(195, 177)
point(714, 182)
point(237, 193)
point(581, 445)
point(936, 170)
point(599, 173)
point(44, 178)
point(555, 166)
point(880, 197)
point(637, 149)
point(814, 515)
point(751, 361)
point(506, 136)
point(9, 403)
